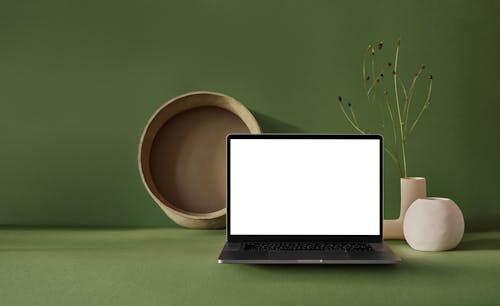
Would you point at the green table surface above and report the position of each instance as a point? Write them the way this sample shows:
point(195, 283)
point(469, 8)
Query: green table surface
point(173, 266)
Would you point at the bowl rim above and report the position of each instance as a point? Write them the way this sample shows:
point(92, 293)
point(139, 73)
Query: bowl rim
point(229, 104)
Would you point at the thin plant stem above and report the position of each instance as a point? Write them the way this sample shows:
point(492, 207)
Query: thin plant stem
point(354, 125)
point(391, 117)
point(402, 84)
point(372, 71)
point(403, 140)
point(376, 81)
point(424, 107)
point(373, 65)
point(382, 117)
point(364, 68)
point(353, 115)
point(410, 97)
point(395, 159)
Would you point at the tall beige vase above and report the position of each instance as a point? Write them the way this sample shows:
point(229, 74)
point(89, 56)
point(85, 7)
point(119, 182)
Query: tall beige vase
point(412, 188)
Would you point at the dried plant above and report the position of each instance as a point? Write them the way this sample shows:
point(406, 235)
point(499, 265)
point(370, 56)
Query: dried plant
point(402, 117)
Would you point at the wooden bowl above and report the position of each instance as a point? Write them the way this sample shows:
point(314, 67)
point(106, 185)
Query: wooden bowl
point(182, 156)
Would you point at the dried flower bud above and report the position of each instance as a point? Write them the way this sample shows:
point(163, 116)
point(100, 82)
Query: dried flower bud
point(423, 66)
point(380, 44)
point(389, 64)
point(430, 76)
point(340, 99)
point(393, 72)
point(381, 75)
point(349, 104)
point(369, 47)
point(373, 51)
point(398, 42)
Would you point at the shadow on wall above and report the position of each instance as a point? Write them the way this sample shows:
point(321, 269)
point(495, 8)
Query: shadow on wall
point(273, 125)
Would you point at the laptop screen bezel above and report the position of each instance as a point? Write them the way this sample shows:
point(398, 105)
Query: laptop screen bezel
point(242, 238)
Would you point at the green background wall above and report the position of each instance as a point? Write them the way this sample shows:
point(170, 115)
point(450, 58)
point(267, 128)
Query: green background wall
point(78, 82)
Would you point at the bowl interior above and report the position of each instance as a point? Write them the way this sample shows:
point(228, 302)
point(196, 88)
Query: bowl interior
point(187, 158)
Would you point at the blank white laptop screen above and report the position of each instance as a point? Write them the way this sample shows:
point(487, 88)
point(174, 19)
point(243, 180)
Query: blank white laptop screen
point(305, 186)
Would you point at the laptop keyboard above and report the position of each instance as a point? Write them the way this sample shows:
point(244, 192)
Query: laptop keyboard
point(307, 246)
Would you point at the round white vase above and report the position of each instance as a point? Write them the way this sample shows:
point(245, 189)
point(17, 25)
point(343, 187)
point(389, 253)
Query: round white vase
point(433, 224)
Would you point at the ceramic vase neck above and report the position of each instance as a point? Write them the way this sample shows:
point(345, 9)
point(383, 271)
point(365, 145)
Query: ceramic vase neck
point(412, 188)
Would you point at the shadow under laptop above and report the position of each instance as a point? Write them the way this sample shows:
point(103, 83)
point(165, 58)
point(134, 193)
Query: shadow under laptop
point(333, 267)
point(410, 267)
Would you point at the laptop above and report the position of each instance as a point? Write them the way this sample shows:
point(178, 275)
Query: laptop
point(305, 199)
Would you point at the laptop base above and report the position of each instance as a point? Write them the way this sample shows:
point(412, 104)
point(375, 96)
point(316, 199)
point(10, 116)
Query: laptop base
point(234, 253)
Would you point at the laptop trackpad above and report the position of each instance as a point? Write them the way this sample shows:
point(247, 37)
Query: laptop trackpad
point(285, 255)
